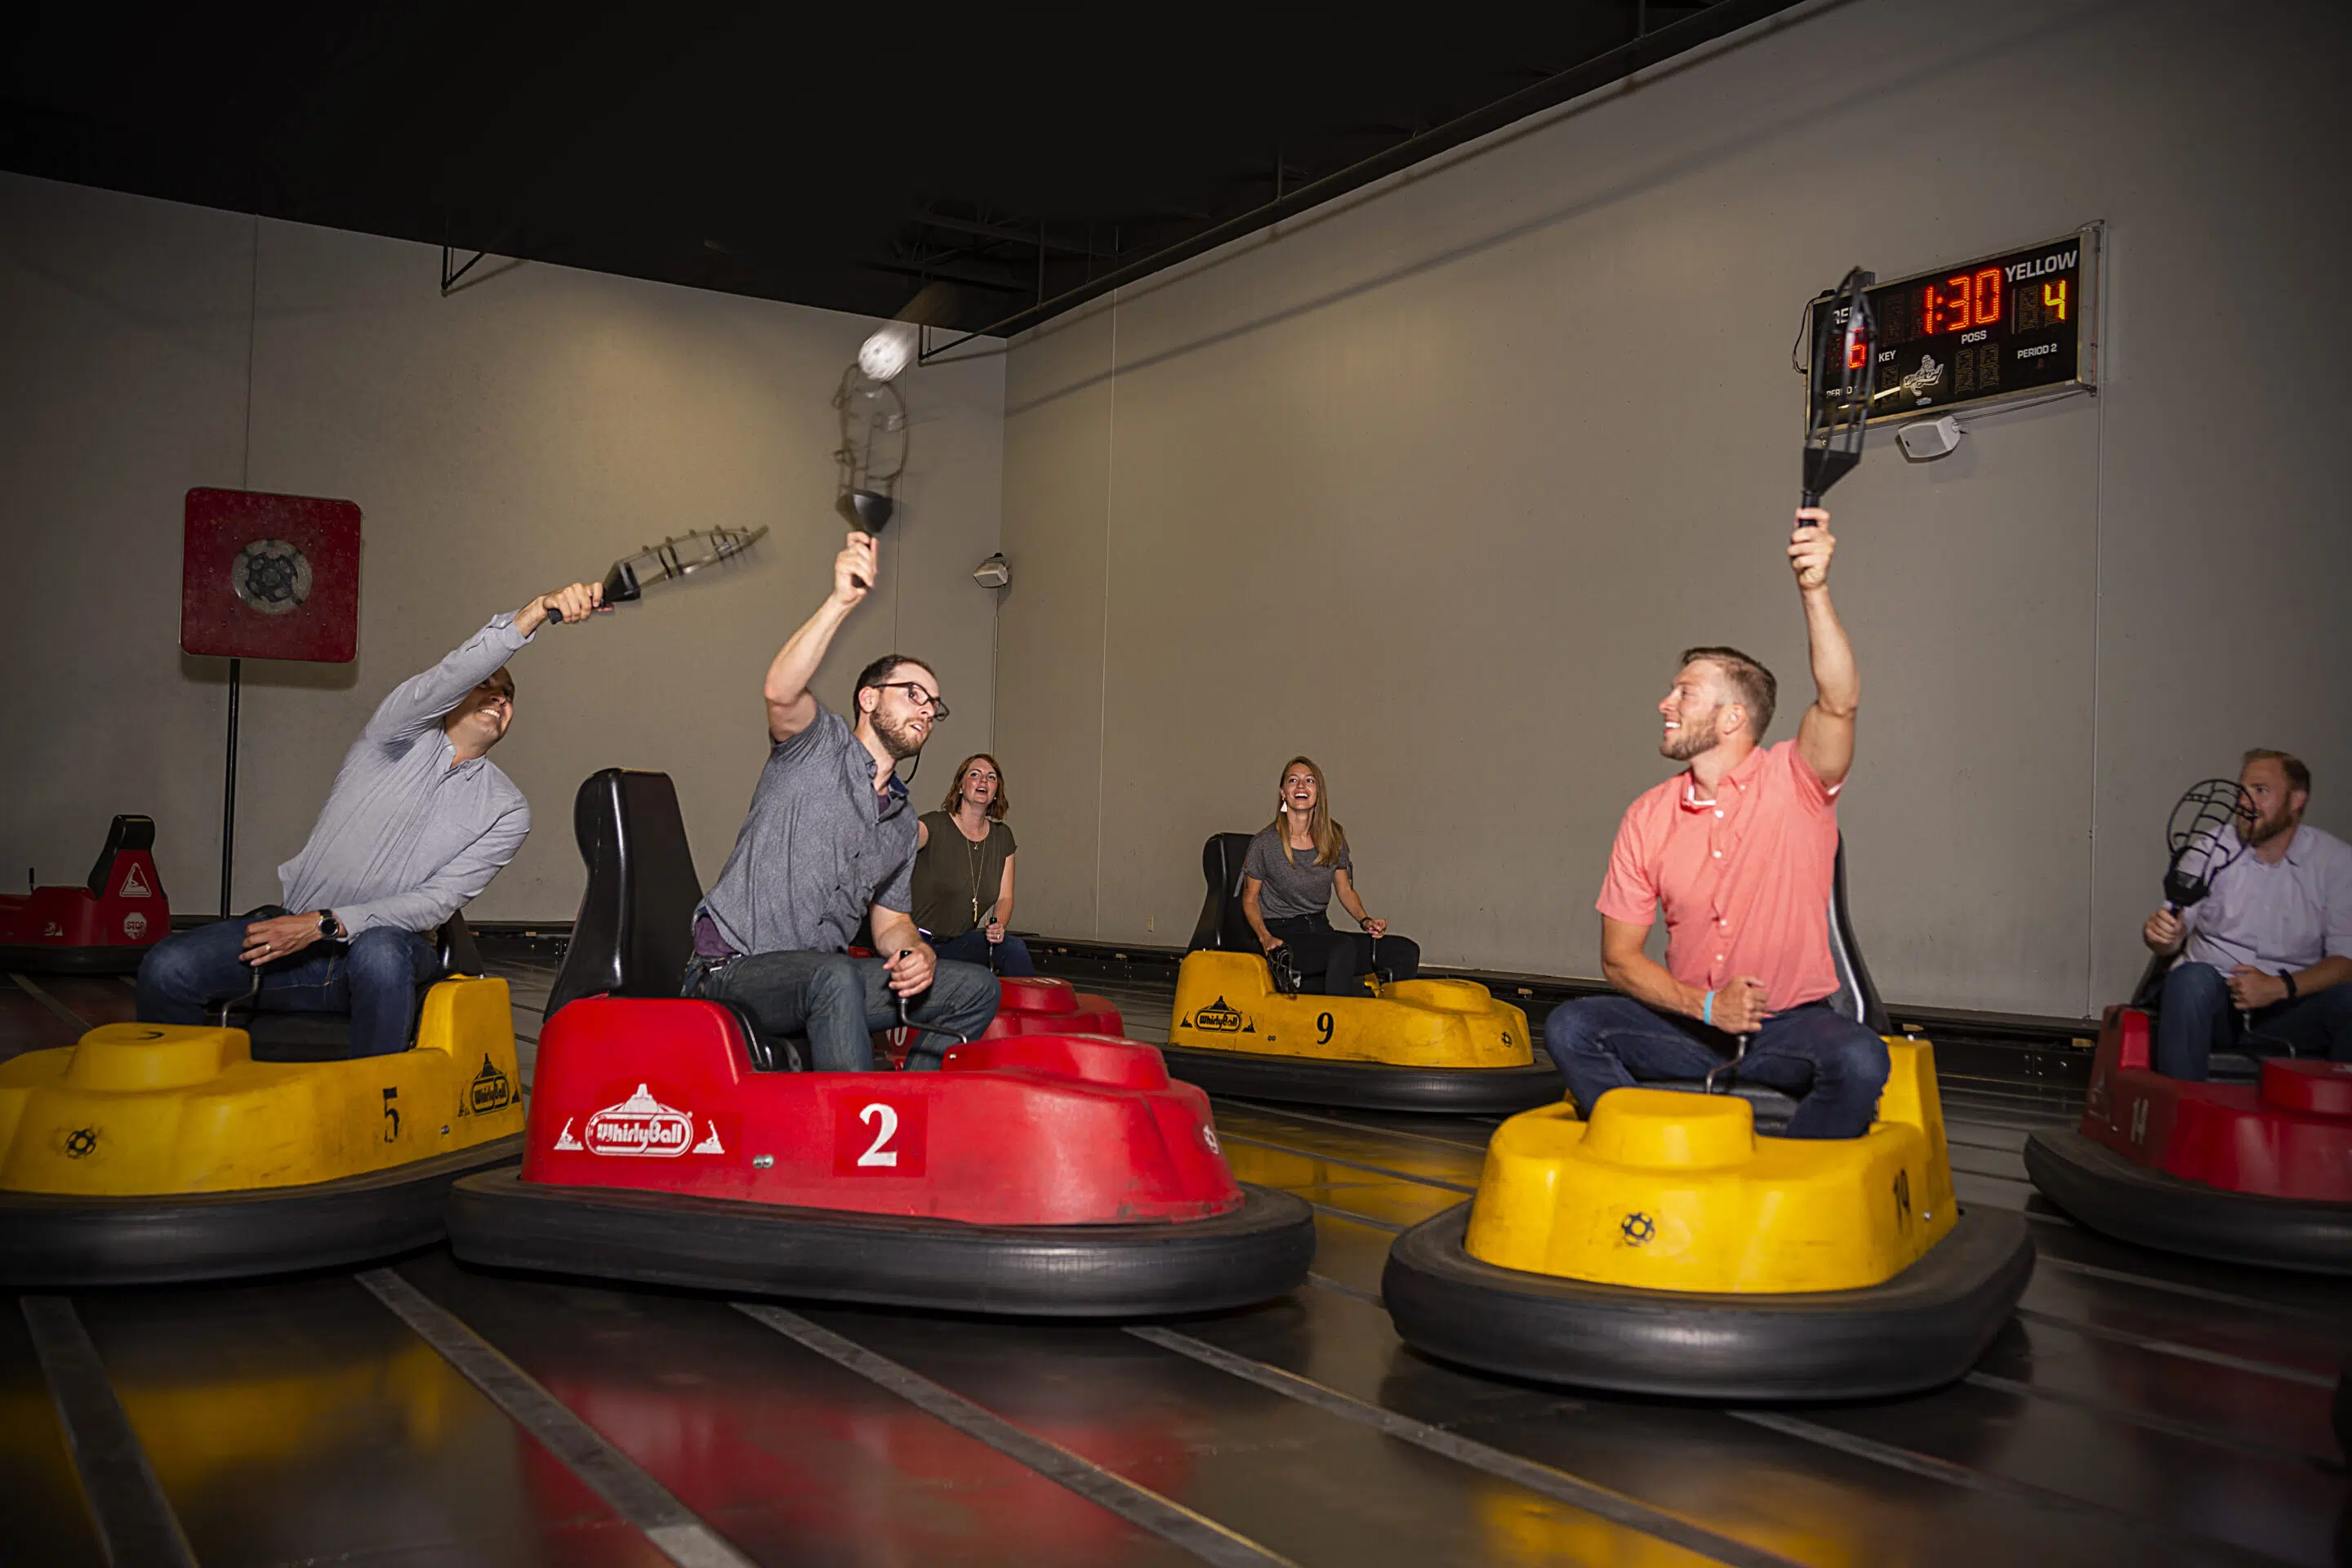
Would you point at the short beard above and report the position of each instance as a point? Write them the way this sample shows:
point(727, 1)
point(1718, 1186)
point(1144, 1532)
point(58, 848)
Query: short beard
point(1687, 743)
point(2264, 828)
point(898, 740)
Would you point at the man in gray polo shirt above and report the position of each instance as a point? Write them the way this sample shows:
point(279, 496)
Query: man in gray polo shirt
point(418, 822)
point(2268, 954)
point(829, 842)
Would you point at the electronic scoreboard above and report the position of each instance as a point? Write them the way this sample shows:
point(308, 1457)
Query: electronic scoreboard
point(2017, 325)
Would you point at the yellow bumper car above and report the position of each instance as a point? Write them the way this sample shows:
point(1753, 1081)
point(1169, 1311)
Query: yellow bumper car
point(1407, 1045)
point(1664, 1245)
point(154, 1152)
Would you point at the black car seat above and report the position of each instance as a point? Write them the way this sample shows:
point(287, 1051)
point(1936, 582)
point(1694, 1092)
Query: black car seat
point(1223, 927)
point(1857, 994)
point(327, 1037)
point(635, 929)
point(127, 836)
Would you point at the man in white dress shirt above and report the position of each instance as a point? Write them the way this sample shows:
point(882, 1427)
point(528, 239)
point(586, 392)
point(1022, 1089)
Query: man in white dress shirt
point(2268, 954)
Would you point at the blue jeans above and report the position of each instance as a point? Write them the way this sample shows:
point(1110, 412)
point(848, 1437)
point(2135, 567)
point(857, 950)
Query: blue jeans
point(972, 947)
point(837, 1002)
point(183, 979)
point(1614, 1042)
point(2195, 1017)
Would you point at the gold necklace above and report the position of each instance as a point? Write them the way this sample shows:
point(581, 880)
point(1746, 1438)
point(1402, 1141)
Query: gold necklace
point(978, 852)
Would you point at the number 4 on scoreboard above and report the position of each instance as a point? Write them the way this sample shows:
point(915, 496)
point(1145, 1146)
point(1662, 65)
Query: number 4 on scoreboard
point(879, 1135)
point(2054, 299)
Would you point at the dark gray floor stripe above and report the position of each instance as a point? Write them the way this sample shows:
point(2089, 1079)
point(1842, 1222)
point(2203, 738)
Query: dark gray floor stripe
point(2174, 1288)
point(1287, 1113)
point(2326, 1380)
point(1350, 1164)
point(1325, 1282)
point(135, 1519)
point(611, 1475)
point(1958, 1475)
point(1171, 1521)
point(1558, 1485)
point(2170, 1425)
point(1350, 1216)
point(25, 984)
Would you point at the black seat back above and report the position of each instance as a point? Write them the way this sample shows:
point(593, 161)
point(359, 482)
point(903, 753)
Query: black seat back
point(1223, 927)
point(1857, 994)
point(636, 927)
point(126, 835)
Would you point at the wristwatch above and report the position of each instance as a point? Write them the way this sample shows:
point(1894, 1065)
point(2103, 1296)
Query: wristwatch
point(330, 928)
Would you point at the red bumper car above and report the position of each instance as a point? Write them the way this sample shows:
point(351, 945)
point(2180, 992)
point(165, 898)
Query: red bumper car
point(1042, 1007)
point(104, 926)
point(2255, 1173)
point(1053, 1174)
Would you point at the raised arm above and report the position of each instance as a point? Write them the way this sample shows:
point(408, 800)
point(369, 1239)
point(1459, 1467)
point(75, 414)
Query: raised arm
point(1825, 734)
point(791, 708)
point(420, 702)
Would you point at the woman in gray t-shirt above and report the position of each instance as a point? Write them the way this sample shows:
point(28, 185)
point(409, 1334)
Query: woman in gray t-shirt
point(1294, 866)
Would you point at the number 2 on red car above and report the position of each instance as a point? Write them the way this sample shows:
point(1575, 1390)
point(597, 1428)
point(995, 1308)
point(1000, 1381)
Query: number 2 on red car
point(880, 1135)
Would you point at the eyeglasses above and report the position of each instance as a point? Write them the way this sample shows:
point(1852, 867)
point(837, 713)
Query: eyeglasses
point(916, 694)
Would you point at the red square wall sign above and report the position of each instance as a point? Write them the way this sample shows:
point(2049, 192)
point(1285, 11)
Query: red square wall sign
point(265, 576)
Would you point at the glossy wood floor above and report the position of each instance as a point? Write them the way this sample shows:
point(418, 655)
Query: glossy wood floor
point(2141, 1409)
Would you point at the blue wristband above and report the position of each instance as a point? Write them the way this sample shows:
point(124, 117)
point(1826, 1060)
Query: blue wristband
point(1707, 1013)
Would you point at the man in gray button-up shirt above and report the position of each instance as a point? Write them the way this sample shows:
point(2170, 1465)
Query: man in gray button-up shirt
point(829, 842)
point(418, 822)
point(2269, 951)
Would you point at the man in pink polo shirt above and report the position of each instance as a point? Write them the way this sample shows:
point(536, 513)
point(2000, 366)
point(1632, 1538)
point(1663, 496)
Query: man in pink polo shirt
point(1740, 848)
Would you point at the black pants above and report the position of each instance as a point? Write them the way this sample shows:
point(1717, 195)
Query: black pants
point(1340, 959)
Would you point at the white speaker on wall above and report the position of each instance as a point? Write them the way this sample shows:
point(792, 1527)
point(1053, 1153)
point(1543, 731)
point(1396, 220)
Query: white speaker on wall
point(1926, 438)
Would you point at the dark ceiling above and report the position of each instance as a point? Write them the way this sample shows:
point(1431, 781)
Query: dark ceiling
point(838, 156)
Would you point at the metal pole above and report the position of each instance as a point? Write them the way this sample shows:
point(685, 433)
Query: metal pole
point(228, 788)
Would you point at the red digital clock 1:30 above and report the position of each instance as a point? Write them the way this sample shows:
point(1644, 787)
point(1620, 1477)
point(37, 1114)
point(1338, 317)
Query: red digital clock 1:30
point(2000, 327)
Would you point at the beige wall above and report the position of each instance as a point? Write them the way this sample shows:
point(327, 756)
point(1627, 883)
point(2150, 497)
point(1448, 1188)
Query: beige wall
point(502, 441)
point(1434, 483)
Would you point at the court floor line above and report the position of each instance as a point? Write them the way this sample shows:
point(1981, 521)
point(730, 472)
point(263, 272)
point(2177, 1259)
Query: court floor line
point(2175, 1287)
point(135, 1522)
point(2170, 1426)
point(1616, 1507)
point(1261, 1109)
point(25, 984)
point(2185, 1353)
point(1169, 1521)
point(1319, 1155)
point(1350, 1216)
point(636, 1496)
point(1972, 1479)
point(1325, 1282)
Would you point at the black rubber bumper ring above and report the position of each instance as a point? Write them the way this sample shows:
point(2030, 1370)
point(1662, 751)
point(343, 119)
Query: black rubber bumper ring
point(1920, 1330)
point(1368, 1086)
point(1252, 1254)
point(2150, 1208)
point(49, 1242)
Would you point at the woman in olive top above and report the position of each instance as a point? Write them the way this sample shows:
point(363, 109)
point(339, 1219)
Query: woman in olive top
point(963, 872)
point(1294, 866)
